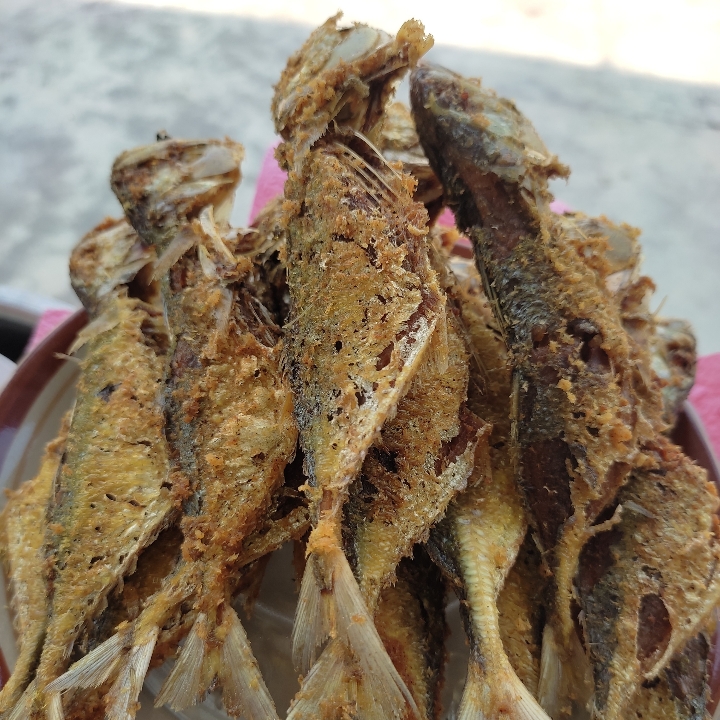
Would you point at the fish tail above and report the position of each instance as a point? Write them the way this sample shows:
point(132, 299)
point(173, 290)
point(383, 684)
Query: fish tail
point(483, 697)
point(244, 690)
point(563, 675)
point(324, 687)
point(183, 687)
point(96, 667)
point(313, 618)
point(122, 699)
point(356, 628)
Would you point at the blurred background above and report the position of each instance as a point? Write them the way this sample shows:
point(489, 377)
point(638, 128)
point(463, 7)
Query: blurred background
point(625, 92)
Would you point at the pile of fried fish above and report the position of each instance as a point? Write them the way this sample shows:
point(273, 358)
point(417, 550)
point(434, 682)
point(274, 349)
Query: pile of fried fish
point(419, 423)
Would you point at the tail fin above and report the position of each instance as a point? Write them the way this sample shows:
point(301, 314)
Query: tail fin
point(244, 690)
point(354, 628)
point(124, 693)
point(565, 676)
point(183, 687)
point(506, 697)
point(313, 618)
point(325, 686)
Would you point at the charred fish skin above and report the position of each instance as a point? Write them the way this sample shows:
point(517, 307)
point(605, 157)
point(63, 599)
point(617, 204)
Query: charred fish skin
point(584, 408)
point(22, 525)
point(352, 346)
point(649, 584)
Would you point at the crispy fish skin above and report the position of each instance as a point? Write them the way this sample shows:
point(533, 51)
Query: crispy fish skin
point(422, 459)
point(410, 619)
point(22, 525)
point(586, 400)
point(649, 584)
point(112, 494)
point(114, 473)
point(353, 346)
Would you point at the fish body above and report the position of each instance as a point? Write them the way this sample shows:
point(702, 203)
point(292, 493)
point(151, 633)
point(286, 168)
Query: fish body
point(421, 460)
point(111, 494)
point(23, 524)
point(585, 404)
point(365, 306)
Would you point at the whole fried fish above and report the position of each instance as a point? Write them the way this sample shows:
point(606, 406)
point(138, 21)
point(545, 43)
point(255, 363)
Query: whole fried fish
point(586, 399)
point(365, 306)
point(230, 426)
point(22, 527)
point(112, 494)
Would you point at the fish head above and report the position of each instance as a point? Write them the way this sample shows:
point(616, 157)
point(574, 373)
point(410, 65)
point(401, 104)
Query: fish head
point(163, 185)
point(109, 256)
point(467, 131)
point(343, 75)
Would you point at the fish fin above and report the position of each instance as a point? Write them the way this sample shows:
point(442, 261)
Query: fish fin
point(313, 619)
point(244, 690)
point(182, 688)
point(325, 686)
point(483, 697)
point(53, 706)
point(95, 668)
point(22, 708)
point(564, 678)
point(357, 629)
point(123, 695)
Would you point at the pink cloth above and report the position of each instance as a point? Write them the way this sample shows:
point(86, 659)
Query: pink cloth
point(49, 320)
point(705, 397)
point(270, 182)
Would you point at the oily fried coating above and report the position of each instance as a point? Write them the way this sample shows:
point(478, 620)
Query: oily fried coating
point(230, 426)
point(586, 400)
point(346, 75)
point(22, 528)
point(110, 256)
point(422, 458)
point(648, 585)
point(410, 619)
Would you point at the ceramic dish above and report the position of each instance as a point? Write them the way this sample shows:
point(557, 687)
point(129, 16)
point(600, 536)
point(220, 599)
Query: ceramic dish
point(31, 407)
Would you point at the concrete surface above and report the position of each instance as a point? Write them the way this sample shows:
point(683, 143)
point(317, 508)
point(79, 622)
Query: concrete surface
point(80, 82)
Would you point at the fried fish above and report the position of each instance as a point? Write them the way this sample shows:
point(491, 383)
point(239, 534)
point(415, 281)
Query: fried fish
point(365, 306)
